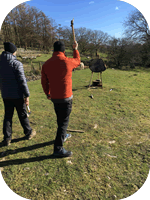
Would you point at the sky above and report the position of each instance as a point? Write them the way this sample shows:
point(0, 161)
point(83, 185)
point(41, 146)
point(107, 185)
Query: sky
point(105, 15)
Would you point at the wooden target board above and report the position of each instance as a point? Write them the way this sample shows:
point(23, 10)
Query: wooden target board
point(97, 65)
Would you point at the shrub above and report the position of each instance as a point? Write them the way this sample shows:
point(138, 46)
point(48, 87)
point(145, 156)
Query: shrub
point(37, 72)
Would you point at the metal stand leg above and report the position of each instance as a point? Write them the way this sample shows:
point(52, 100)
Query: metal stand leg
point(91, 79)
point(99, 76)
point(101, 85)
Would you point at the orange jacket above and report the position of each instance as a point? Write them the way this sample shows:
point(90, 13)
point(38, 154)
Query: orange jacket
point(56, 73)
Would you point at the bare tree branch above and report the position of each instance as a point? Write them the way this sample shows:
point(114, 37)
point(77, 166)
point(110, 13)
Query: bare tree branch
point(136, 27)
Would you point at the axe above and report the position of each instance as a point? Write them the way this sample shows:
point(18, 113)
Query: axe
point(73, 30)
point(28, 111)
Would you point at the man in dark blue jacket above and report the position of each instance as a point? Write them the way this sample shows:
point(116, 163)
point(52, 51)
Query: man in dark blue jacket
point(14, 91)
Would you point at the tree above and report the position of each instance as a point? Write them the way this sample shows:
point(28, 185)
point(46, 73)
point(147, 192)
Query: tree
point(121, 52)
point(1, 38)
point(136, 27)
point(26, 27)
point(98, 38)
point(83, 38)
point(66, 35)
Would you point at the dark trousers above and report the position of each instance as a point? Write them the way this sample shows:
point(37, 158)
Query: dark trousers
point(9, 105)
point(62, 111)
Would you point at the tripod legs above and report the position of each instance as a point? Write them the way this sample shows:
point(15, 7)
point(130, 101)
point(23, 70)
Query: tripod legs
point(100, 74)
point(99, 79)
point(91, 79)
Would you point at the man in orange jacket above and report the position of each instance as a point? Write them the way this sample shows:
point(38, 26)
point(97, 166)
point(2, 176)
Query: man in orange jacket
point(57, 84)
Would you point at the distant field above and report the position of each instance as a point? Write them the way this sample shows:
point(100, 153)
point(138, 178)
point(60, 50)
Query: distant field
point(44, 57)
point(110, 159)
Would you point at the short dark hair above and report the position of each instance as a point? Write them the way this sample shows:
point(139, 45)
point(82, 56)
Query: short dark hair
point(59, 46)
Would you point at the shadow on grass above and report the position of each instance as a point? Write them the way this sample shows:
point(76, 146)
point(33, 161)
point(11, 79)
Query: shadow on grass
point(23, 149)
point(81, 88)
point(14, 140)
point(26, 160)
point(78, 88)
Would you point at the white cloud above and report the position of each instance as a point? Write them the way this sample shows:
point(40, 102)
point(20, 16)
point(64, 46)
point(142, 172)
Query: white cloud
point(118, 34)
point(116, 8)
point(91, 2)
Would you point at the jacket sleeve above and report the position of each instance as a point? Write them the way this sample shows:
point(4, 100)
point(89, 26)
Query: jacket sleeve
point(44, 82)
point(21, 79)
point(75, 61)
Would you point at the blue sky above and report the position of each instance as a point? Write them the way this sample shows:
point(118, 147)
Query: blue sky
point(104, 15)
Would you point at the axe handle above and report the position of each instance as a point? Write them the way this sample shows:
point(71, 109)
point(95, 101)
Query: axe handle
point(28, 108)
point(73, 34)
point(70, 130)
point(73, 30)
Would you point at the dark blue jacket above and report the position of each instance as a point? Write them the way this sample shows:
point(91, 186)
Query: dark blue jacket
point(13, 83)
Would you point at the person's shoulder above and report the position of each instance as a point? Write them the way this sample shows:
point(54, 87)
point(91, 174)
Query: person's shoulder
point(17, 63)
point(47, 62)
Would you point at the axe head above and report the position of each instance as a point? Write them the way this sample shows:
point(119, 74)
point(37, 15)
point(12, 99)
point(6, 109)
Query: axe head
point(72, 22)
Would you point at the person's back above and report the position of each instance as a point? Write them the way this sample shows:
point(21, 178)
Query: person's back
point(8, 72)
point(59, 73)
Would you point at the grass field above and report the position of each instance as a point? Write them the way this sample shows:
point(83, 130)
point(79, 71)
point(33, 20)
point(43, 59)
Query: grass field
point(110, 159)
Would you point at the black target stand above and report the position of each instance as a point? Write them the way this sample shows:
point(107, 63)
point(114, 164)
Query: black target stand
point(97, 66)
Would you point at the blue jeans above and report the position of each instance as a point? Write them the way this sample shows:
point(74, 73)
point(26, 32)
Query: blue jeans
point(62, 111)
point(9, 105)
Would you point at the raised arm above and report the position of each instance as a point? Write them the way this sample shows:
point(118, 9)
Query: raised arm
point(76, 56)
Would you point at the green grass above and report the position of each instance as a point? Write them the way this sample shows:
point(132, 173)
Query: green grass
point(42, 58)
point(109, 162)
